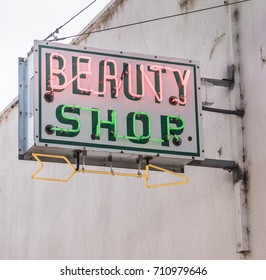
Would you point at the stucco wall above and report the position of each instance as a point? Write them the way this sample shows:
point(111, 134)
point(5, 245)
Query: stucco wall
point(101, 217)
point(253, 81)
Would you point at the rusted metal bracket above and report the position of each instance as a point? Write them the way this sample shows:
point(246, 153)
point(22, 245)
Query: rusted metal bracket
point(239, 113)
point(220, 83)
point(215, 163)
point(228, 165)
point(229, 82)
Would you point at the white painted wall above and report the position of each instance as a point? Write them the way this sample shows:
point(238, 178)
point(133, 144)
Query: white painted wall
point(252, 40)
point(101, 217)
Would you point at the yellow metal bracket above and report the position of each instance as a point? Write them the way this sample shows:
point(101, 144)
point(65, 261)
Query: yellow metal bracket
point(112, 173)
point(37, 157)
point(74, 171)
point(184, 177)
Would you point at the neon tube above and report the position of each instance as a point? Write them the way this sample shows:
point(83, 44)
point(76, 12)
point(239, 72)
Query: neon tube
point(182, 81)
point(58, 72)
point(112, 120)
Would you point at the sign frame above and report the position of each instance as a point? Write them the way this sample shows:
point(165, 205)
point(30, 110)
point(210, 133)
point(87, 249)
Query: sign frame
point(97, 154)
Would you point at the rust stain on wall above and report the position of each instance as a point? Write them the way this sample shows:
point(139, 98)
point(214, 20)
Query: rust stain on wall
point(262, 59)
point(185, 4)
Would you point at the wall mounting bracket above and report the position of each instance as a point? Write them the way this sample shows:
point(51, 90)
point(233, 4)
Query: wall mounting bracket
point(229, 82)
point(220, 83)
point(228, 165)
point(239, 113)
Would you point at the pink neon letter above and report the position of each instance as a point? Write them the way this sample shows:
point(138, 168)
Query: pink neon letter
point(58, 72)
point(109, 77)
point(158, 95)
point(79, 72)
point(184, 81)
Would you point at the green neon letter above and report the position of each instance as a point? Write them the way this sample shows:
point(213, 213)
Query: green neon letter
point(64, 119)
point(132, 127)
point(167, 130)
point(97, 124)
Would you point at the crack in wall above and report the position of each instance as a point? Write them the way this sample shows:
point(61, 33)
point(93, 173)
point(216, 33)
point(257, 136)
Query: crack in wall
point(215, 43)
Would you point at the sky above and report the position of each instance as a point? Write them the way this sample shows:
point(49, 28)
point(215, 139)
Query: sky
point(23, 21)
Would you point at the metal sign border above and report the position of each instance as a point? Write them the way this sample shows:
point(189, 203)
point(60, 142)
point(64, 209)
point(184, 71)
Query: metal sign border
point(40, 45)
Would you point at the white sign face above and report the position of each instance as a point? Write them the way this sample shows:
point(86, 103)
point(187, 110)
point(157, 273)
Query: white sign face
point(115, 102)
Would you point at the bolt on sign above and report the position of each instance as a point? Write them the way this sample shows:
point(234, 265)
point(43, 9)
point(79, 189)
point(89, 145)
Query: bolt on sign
point(109, 104)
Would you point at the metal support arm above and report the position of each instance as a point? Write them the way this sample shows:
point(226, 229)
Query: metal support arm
point(215, 163)
point(220, 83)
point(228, 165)
point(239, 113)
point(229, 82)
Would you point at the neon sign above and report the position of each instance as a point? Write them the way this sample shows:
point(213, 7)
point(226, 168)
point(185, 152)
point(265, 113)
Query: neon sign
point(117, 104)
point(111, 125)
point(57, 79)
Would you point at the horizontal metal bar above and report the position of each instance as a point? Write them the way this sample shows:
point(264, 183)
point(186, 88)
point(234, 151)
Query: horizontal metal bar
point(215, 163)
point(240, 113)
point(221, 83)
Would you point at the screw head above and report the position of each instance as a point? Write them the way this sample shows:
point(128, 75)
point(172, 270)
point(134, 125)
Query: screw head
point(49, 96)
